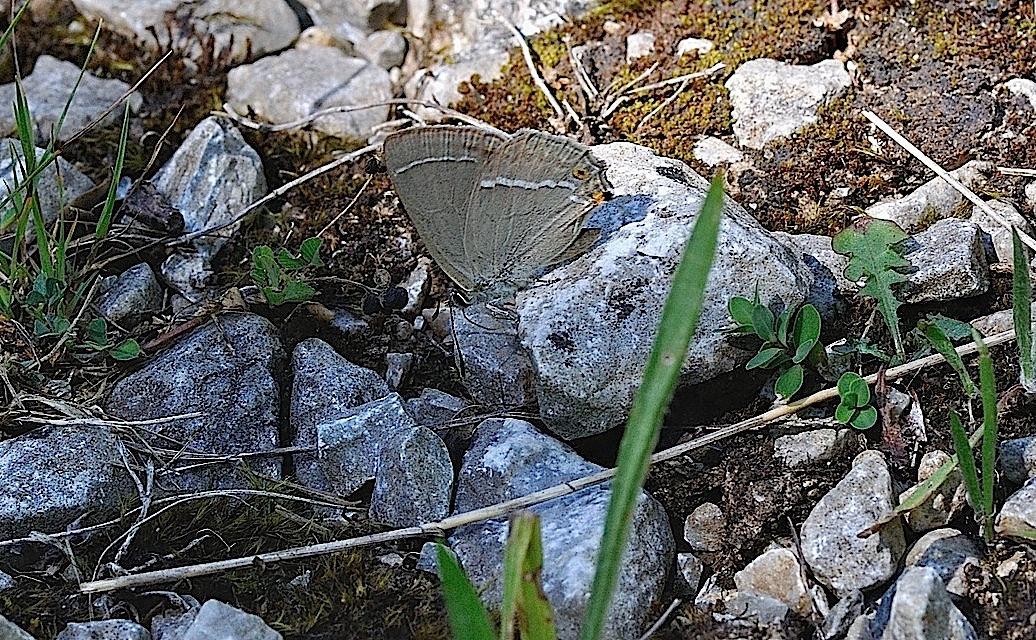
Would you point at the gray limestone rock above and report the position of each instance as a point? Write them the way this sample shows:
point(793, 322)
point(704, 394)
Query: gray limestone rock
point(228, 371)
point(135, 296)
point(772, 99)
point(299, 82)
point(830, 545)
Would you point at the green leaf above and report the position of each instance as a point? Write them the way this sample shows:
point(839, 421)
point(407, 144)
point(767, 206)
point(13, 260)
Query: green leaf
point(956, 330)
point(765, 358)
point(941, 343)
point(740, 309)
point(790, 382)
point(273, 296)
point(762, 322)
point(679, 319)
point(468, 618)
point(967, 463)
point(865, 419)
point(872, 246)
point(310, 251)
point(523, 599)
point(987, 383)
point(267, 273)
point(861, 390)
point(1021, 290)
point(288, 261)
point(783, 321)
point(805, 332)
point(297, 291)
point(846, 382)
point(844, 412)
point(126, 350)
point(97, 332)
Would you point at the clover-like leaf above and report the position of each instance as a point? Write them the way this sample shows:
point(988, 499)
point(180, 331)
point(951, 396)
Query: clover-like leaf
point(865, 418)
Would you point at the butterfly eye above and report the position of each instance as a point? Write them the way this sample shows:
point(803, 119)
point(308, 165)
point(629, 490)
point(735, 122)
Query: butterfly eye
point(581, 173)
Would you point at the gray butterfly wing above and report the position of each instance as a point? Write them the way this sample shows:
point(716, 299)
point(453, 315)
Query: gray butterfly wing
point(434, 170)
point(528, 205)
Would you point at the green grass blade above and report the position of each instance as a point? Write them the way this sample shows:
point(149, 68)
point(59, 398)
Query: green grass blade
point(468, 618)
point(534, 614)
point(987, 383)
point(679, 320)
point(938, 339)
point(1022, 297)
point(967, 463)
point(521, 528)
point(109, 203)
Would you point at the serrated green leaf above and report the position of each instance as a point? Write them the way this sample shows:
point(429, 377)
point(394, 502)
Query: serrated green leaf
point(740, 310)
point(765, 358)
point(865, 419)
point(310, 251)
point(955, 330)
point(288, 261)
point(273, 296)
point(872, 246)
point(789, 383)
point(126, 350)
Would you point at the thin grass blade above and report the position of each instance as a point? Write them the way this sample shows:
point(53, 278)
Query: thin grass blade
point(987, 383)
point(468, 618)
point(679, 321)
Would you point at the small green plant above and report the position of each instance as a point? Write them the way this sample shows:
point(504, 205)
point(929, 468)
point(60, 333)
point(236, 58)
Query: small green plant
point(854, 407)
point(874, 248)
point(1022, 298)
point(97, 340)
point(524, 606)
point(280, 275)
point(940, 333)
point(789, 340)
point(981, 494)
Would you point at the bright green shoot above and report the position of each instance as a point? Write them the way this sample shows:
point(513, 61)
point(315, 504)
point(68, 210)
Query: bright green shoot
point(854, 407)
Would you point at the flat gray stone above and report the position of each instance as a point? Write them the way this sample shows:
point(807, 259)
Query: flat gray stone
point(11, 631)
point(497, 371)
point(218, 620)
point(47, 89)
point(255, 27)
point(919, 608)
point(839, 558)
point(773, 100)
point(508, 459)
point(777, 574)
point(414, 479)
point(705, 528)
point(713, 151)
point(815, 445)
point(53, 475)
point(950, 553)
point(229, 373)
point(294, 84)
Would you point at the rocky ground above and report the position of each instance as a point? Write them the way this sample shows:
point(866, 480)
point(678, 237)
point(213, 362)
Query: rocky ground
point(253, 422)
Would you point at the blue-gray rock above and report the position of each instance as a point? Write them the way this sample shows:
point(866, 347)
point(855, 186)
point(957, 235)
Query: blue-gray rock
point(299, 82)
point(54, 475)
point(497, 371)
point(949, 552)
point(509, 458)
point(588, 325)
point(228, 371)
point(325, 387)
point(1016, 459)
point(113, 629)
point(918, 607)
point(135, 296)
point(210, 179)
point(773, 100)
point(11, 631)
point(434, 408)
point(950, 257)
point(47, 90)
point(830, 545)
point(1017, 516)
point(255, 27)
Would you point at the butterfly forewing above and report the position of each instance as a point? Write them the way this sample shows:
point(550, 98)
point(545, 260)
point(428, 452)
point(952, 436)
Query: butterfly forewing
point(528, 204)
point(434, 170)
